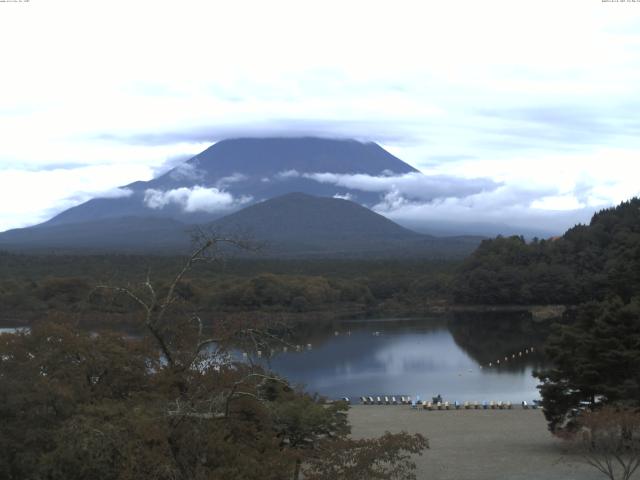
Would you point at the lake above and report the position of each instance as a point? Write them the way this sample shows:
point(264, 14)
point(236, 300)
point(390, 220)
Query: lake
point(422, 357)
point(455, 357)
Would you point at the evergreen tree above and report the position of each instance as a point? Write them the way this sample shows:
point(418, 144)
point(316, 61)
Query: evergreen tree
point(595, 359)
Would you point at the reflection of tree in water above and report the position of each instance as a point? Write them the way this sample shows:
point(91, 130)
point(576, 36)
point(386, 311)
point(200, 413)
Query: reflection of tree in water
point(489, 336)
point(318, 332)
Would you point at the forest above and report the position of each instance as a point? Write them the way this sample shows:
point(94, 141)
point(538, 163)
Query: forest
point(594, 270)
point(169, 402)
point(37, 286)
point(588, 262)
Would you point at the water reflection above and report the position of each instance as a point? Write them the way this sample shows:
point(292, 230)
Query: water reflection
point(425, 357)
point(14, 330)
point(492, 336)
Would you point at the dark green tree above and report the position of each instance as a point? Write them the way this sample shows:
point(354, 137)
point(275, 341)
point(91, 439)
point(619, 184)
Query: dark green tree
point(596, 359)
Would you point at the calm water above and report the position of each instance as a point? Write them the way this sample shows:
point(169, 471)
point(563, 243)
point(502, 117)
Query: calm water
point(423, 358)
point(13, 330)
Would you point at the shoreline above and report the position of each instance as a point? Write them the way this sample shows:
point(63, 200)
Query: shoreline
point(104, 319)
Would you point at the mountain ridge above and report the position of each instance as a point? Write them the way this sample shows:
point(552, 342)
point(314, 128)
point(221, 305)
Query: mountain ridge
point(295, 224)
point(255, 168)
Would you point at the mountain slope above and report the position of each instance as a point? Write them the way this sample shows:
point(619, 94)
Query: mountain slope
point(296, 224)
point(265, 156)
point(297, 217)
point(247, 170)
point(123, 234)
point(257, 174)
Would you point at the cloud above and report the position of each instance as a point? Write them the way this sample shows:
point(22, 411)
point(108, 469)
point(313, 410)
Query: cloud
point(30, 197)
point(231, 179)
point(186, 171)
point(457, 93)
point(119, 192)
point(358, 129)
point(172, 161)
point(413, 185)
point(194, 199)
point(84, 195)
point(344, 196)
point(555, 126)
point(541, 208)
point(287, 174)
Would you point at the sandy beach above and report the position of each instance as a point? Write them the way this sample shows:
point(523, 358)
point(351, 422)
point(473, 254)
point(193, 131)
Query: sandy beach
point(477, 444)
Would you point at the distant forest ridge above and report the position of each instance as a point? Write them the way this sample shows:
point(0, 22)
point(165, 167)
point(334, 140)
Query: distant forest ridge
point(588, 262)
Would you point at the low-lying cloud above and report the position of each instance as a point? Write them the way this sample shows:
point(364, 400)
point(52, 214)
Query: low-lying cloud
point(194, 199)
point(224, 182)
point(419, 200)
point(366, 130)
point(413, 185)
point(507, 205)
point(186, 171)
point(344, 196)
point(118, 192)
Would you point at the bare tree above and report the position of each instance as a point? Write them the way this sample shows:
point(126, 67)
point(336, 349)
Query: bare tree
point(201, 384)
point(180, 334)
point(610, 441)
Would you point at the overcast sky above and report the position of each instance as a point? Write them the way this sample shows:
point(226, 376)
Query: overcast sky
point(538, 98)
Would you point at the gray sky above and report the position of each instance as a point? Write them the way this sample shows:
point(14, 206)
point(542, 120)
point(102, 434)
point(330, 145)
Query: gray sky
point(538, 100)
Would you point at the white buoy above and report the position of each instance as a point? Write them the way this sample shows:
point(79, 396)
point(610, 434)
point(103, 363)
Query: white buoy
point(284, 349)
point(308, 346)
point(489, 363)
point(497, 362)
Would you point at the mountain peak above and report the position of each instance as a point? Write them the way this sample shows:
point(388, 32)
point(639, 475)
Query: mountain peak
point(317, 223)
point(271, 155)
point(241, 171)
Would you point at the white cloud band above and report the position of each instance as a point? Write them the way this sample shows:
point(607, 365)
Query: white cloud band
point(194, 199)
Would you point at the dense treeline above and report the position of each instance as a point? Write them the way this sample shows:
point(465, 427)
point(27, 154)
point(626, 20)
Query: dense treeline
point(33, 286)
point(589, 262)
point(595, 359)
point(80, 405)
point(170, 403)
point(594, 352)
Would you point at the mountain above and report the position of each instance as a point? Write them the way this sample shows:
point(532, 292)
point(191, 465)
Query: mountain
point(122, 234)
point(294, 224)
point(442, 228)
point(238, 172)
point(299, 222)
point(248, 185)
